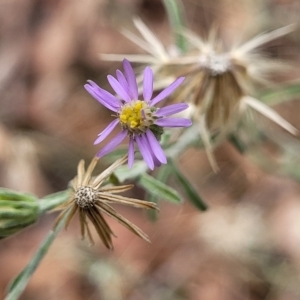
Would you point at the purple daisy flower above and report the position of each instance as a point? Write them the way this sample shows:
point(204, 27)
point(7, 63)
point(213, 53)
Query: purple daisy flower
point(141, 120)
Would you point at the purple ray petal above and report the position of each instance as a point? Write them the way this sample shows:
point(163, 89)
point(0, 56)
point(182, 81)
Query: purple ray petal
point(100, 99)
point(130, 153)
point(167, 91)
point(102, 96)
point(112, 144)
point(122, 80)
point(155, 146)
point(156, 162)
point(171, 109)
point(106, 131)
point(115, 84)
point(130, 77)
point(148, 84)
point(173, 122)
point(114, 101)
point(143, 146)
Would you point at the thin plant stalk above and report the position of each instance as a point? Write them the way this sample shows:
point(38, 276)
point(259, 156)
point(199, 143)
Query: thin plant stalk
point(19, 284)
point(176, 15)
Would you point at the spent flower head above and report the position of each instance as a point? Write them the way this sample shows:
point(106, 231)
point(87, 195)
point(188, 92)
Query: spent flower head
point(92, 197)
point(219, 84)
point(141, 120)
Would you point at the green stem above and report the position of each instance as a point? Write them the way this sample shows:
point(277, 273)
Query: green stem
point(20, 282)
point(52, 201)
point(176, 15)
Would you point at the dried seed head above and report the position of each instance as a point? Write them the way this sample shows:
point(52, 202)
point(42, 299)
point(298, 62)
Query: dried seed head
point(215, 63)
point(85, 197)
point(91, 200)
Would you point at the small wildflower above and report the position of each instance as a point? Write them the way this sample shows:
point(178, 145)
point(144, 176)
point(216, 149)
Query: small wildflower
point(92, 196)
point(219, 83)
point(139, 119)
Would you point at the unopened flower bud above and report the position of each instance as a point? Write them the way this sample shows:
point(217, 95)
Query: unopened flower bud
point(17, 211)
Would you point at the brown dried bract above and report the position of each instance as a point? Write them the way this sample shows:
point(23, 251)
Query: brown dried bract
point(90, 199)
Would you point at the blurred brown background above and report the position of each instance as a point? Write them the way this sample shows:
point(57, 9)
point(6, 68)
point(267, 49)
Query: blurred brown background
point(246, 246)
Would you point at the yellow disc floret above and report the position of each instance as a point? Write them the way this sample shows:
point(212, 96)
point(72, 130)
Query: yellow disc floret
point(131, 115)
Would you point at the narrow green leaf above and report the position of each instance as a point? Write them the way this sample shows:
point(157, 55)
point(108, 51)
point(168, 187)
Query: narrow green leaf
point(113, 179)
point(283, 94)
point(20, 282)
point(123, 172)
point(237, 143)
point(162, 176)
point(159, 189)
point(192, 194)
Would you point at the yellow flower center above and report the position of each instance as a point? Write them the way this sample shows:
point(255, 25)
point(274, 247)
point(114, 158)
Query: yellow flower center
point(131, 114)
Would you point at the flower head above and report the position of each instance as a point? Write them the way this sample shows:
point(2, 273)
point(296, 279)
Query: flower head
point(92, 196)
point(219, 84)
point(141, 120)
